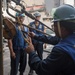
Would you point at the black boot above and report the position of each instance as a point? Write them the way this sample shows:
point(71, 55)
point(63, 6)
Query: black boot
point(21, 73)
point(30, 72)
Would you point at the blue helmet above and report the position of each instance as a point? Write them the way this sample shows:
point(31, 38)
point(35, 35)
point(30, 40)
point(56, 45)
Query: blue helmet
point(65, 14)
point(20, 15)
point(37, 14)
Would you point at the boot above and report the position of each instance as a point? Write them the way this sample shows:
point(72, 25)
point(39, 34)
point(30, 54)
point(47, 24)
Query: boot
point(21, 73)
point(30, 72)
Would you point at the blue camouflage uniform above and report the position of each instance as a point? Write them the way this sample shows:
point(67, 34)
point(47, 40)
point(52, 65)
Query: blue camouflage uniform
point(37, 44)
point(19, 46)
point(61, 61)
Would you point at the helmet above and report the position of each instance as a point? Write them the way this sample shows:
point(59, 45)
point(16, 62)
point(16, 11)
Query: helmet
point(64, 12)
point(20, 15)
point(37, 14)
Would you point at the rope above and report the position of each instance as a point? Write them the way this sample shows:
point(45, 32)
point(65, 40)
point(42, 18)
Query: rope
point(21, 31)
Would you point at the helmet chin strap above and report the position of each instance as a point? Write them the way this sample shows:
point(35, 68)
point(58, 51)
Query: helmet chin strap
point(59, 29)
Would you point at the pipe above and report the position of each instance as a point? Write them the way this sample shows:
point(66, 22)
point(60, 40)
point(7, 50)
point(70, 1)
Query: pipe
point(35, 29)
point(27, 14)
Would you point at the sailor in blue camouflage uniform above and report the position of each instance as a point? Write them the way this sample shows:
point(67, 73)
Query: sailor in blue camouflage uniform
point(17, 47)
point(61, 60)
